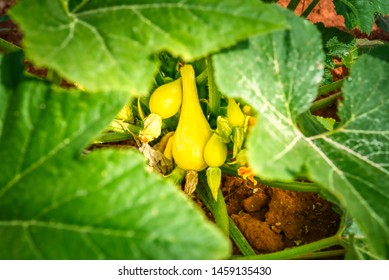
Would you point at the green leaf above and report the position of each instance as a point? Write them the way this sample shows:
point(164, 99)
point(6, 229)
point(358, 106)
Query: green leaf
point(311, 125)
point(113, 45)
point(268, 74)
point(377, 50)
point(361, 14)
point(327, 123)
point(337, 43)
point(278, 75)
point(383, 23)
point(356, 242)
point(57, 202)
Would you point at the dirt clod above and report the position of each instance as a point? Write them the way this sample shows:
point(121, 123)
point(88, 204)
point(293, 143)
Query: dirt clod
point(255, 202)
point(272, 219)
point(261, 237)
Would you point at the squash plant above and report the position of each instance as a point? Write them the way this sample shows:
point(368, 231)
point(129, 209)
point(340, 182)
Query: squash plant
point(61, 200)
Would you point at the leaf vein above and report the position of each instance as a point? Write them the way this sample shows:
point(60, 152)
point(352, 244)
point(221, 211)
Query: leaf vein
point(357, 155)
point(30, 240)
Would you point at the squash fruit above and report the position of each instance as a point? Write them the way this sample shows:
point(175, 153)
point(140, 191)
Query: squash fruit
point(234, 114)
point(215, 154)
point(166, 99)
point(193, 131)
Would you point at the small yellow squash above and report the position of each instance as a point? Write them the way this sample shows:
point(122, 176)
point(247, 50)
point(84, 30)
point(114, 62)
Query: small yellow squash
point(166, 99)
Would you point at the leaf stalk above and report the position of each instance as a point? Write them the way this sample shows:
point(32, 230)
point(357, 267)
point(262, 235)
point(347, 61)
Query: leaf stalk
point(309, 9)
point(293, 4)
point(291, 186)
point(299, 252)
point(324, 102)
point(330, 87)
point(214, 94)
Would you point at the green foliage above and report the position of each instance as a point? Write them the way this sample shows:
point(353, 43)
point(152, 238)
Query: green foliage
point(112, 45)
point(350, 162)
point(383, 23)
point(339, 44)
point(57, 202)
point(361, 14)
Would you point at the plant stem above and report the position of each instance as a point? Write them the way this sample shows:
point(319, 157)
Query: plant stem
point(240, 240)
point(291, 186)
point(330, 87)
point(324, 102)
point(109, 137)
point(298, 252)
point(293, 4)
point(219, 211)
point(214, 94)
point(6, 46)
point(218, 208)
point(311, 6)
point(323, 254)
point(123, 127)
point(202, 78)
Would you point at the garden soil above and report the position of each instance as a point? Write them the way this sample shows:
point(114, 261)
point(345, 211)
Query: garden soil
point(270, 218)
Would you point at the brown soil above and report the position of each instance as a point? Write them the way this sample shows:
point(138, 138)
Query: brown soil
point(272, 219)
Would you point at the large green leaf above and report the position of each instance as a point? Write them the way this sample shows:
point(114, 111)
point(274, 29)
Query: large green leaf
point(57, 202)
point(273, 74)
point(360, 13)
point(278, 74)
point(112, 44)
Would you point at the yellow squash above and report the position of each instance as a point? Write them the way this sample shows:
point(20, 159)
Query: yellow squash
point(234, 114)
point(193, 130)
point(215, 152)
point(166, 99)
point(168, 149)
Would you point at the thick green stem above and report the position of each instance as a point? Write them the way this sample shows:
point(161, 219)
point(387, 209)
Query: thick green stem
point(330, 87)
point(6, 46)
point(324, 102)
point(324, 254)
point(109, 137)
point(122, 127)
point(310, 8)
point(293, 4)
point(292, 186)
point(240, 241)
point(202, 78)
point(298, 252)
point(218, 208)
point(214, 94)
point(219, 211)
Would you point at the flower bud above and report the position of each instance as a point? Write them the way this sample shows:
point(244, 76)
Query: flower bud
point(241, 158)
point(238, 137)
point(223, 129)
point(214, 176)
